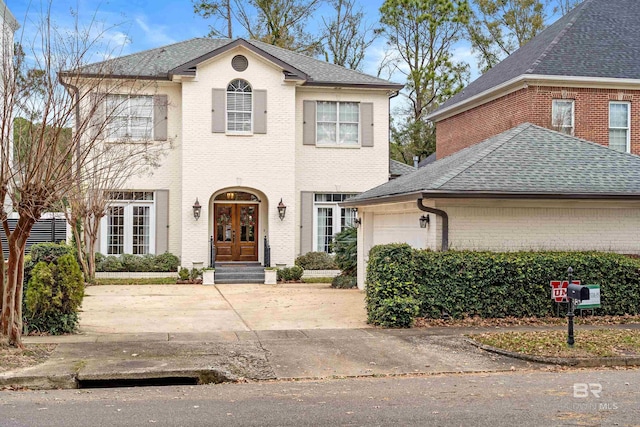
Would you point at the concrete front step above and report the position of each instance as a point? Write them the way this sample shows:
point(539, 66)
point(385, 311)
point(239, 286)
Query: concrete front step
point(228, 274)
point(238, 281)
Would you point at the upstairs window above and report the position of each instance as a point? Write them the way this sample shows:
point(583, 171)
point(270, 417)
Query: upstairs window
point(562, 116)
point(619, 132)
point(239, 106)
point(337, 123)
point(129, 117)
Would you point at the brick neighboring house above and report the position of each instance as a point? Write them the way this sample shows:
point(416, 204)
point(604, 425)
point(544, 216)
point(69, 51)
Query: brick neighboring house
point(253, 125)
point(581, 76)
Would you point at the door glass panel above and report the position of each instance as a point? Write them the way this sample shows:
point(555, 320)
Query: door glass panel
point(247, 223)
point(223, 224)
point(325, 229)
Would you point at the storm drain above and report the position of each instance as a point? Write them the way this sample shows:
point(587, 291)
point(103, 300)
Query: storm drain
point(138, 382)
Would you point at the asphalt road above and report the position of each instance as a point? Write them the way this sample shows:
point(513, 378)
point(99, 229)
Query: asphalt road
point(530, 398)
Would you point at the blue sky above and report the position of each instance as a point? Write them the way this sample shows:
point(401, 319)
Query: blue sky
point(136, 25)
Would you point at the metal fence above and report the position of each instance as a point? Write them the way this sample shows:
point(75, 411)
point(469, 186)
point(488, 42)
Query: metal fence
point(45, 230)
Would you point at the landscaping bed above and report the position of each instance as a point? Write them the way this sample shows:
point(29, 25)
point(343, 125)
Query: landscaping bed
point(479, 322)
point(553, 344)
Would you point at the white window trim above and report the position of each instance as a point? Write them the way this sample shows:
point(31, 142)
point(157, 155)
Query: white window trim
point(573, 114)
point(128, 109)
point(128, 225)
point(628, 128)
point(226, 111)
point(337, 144)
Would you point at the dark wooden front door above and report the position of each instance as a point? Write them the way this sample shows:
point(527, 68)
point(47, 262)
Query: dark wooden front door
point(235, 228)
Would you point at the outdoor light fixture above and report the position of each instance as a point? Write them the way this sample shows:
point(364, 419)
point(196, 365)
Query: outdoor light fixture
point(424, 220)
point(282, 209)
point(357, 222)
point(197, 209)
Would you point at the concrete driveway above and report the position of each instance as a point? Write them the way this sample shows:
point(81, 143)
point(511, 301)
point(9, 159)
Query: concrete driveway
point(200, 309)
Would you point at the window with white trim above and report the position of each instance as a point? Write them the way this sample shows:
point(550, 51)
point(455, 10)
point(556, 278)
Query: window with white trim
point(337, 123)
point(619, 126)
point(562, 116)
point(129, 226)
point(129, 117)
point(239, 106)
point(329, 218)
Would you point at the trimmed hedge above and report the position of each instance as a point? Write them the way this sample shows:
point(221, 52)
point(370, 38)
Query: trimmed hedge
point(163, 263)
point(494, 285)
point(316, 261)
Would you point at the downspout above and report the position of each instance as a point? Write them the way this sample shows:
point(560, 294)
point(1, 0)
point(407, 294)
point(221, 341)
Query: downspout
point(75, 92)
point(445, 222)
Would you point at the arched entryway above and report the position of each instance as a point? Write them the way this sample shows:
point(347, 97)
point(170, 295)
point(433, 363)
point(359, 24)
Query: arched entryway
point(236, 225)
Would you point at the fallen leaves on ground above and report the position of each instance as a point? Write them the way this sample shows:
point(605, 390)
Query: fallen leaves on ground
point(590, 343)
point(14, 358)
point(524, 321)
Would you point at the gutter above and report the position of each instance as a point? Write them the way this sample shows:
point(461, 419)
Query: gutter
point(445, 222)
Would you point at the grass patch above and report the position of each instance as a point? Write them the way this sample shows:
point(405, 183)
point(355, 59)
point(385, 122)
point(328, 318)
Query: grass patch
point(471, 322)
point(132, 281)
point(590, 343)
point(317, 279)
point(14, 358)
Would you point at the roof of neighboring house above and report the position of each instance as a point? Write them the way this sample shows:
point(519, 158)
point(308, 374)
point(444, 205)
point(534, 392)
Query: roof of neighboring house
point(597, 39)
point(182, 58)
point(427, 160)
point(397, 168)
point(525, 161)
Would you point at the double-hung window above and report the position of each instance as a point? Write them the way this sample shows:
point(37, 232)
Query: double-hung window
point(129, 117)
point(562, 116)
point(330, 218)
point(619, 129)
point(129, 226)
point(239, 106)
point(337, 123)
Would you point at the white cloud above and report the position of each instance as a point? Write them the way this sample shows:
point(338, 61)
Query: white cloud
point(155, 35)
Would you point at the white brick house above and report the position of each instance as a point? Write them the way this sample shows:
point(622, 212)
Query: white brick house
point(251, 125)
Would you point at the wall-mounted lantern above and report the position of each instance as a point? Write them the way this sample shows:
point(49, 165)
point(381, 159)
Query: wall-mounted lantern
point(357, 222)
point(424, 220)
point(197, 209)
point(282, 210)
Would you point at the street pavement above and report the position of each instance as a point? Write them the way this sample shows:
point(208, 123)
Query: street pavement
point(522, 398)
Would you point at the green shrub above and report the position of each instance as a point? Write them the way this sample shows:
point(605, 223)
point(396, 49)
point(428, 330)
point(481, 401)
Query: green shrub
point(183, 274)
point(344, 282)
point(496, 285)
point(287, 274)
point(316, 261)
point(396, 312)
point(195, 274)
point(163, 263)
point(166, 262)
point(345, 246)
point(54, 295)
point(110, 264)
point(50, 252)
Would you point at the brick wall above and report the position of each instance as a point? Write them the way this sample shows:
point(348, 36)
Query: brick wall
point(533, 104)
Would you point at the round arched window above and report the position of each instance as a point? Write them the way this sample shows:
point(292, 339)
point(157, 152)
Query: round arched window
point(239, 106)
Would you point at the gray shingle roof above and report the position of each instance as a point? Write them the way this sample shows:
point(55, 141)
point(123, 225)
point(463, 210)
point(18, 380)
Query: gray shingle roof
point(159, 62)
point(598, 38)
point(397, 168)
point(526, 159)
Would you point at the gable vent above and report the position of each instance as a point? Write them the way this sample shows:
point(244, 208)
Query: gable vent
point(239, 63)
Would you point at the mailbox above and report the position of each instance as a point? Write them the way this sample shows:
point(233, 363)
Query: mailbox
point(577, 292)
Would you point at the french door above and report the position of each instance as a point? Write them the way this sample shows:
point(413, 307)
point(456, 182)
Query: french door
point(235, 232)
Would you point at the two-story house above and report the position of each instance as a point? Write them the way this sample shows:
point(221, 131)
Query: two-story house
point(266, 144)
point(536, 154)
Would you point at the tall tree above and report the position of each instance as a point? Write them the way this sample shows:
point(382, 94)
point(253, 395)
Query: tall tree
point(564, 6)
point(497, 28)
point(45, 164)
point(346, 35)
point(278, 22)
point(420, 37)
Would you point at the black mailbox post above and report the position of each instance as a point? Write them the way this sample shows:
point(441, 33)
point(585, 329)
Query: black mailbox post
point(574, 293)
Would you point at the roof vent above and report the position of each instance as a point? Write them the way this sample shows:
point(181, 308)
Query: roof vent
point(239, 63)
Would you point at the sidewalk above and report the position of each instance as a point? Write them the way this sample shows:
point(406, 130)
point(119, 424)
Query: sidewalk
point(255, 355)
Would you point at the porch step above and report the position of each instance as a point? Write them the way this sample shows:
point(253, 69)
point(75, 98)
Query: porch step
point(229, 273)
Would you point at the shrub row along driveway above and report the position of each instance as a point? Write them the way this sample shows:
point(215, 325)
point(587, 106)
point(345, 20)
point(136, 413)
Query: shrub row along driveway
point(196, 308)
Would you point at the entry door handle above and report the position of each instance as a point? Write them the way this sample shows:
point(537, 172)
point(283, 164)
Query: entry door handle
point(233, 236)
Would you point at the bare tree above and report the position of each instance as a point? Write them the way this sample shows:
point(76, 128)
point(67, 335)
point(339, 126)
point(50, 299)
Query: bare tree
point(45, 163)
point(347, 36)
point(565, 6)
point(278, 22)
